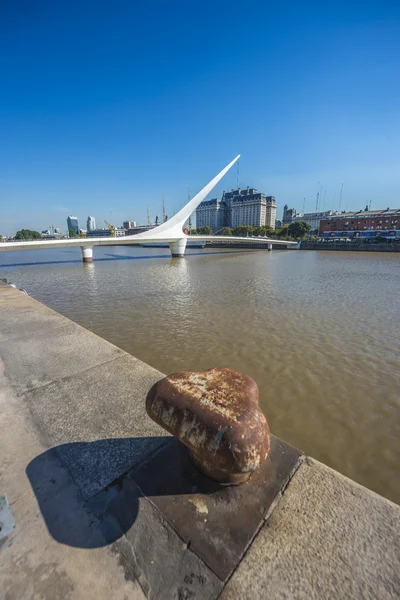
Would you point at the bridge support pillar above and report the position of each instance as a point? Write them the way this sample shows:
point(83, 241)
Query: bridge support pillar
point(269, 247)
point(87, 254)
point(178, 248)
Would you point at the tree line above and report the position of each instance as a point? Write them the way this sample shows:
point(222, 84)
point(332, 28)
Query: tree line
point(297, 230)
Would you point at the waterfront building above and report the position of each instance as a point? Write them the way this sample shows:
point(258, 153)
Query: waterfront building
point(138, 229)
point(72, 223)
point(237, 207)
point(290, 215)
point(212, 213)
point(362, 223)
point(270, 212)
point(129, 224)
point(98, 233)
point(118, 232)
point(90, 224)
point(314, 219)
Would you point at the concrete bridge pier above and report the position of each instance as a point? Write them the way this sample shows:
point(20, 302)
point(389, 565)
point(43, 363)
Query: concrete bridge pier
point(178, 248)
point(87, 254)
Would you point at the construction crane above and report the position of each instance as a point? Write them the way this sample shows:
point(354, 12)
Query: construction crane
point(110, 227)
point(164, 214)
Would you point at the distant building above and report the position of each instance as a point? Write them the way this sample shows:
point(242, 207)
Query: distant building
point(362, 223)
point(129, 224)
point(210, 213)
point(90, 224)
point(118, 232)
point(99, 233)
point(237, 207)
point(72, 223)
point(288, 215)
point(314, 219)
point(138, 229)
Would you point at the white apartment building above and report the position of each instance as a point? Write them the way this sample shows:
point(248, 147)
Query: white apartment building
point(237, 207)
point(91, 224)
point(209, 213)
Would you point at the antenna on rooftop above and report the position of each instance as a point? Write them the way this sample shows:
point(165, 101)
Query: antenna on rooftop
point(148, 218)
point(340, 199)
point(164, 216)
point(316, 204)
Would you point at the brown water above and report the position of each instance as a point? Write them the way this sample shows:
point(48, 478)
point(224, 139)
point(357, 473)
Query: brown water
point(317, 331)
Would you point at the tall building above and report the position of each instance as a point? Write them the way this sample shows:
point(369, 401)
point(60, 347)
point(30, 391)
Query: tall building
point(90, 224)
point(270, 211)
point(72, 223)
point(211, 213)
point(237, 207)
point(288, 215)
point(129, 224)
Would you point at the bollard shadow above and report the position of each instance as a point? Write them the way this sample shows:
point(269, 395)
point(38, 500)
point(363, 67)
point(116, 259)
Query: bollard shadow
point(90, 498)
point(89, 493)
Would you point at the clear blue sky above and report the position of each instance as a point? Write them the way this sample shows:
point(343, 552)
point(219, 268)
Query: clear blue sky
point(105, 106)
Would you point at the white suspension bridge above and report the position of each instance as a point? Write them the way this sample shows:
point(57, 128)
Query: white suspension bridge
point(170, 232)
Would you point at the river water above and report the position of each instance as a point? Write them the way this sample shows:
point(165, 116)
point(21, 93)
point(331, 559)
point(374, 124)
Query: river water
point(316, 330)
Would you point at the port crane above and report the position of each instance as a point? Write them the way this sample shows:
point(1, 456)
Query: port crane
point(110, 227)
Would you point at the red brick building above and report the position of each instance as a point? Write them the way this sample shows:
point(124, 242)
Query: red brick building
point(358, 224)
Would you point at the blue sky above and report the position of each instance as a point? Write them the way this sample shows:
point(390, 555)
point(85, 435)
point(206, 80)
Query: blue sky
point(106, 106)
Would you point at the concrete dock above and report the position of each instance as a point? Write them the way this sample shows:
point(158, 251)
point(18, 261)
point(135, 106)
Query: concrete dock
point(106, 504)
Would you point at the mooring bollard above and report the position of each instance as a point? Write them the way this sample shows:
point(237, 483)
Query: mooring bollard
point(216, 414)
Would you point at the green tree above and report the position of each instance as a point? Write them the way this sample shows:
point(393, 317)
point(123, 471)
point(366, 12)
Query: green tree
point(27, 234)
point(299, 229)
point(282, 232)
point(243, 231)
point(225, 231)
point(193, 232)
point(205, 230)
point(264, 231)
point(72, 233)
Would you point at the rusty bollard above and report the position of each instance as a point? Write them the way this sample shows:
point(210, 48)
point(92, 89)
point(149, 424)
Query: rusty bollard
point(215, 413)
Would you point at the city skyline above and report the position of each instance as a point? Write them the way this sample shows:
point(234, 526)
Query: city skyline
point(308, 94)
